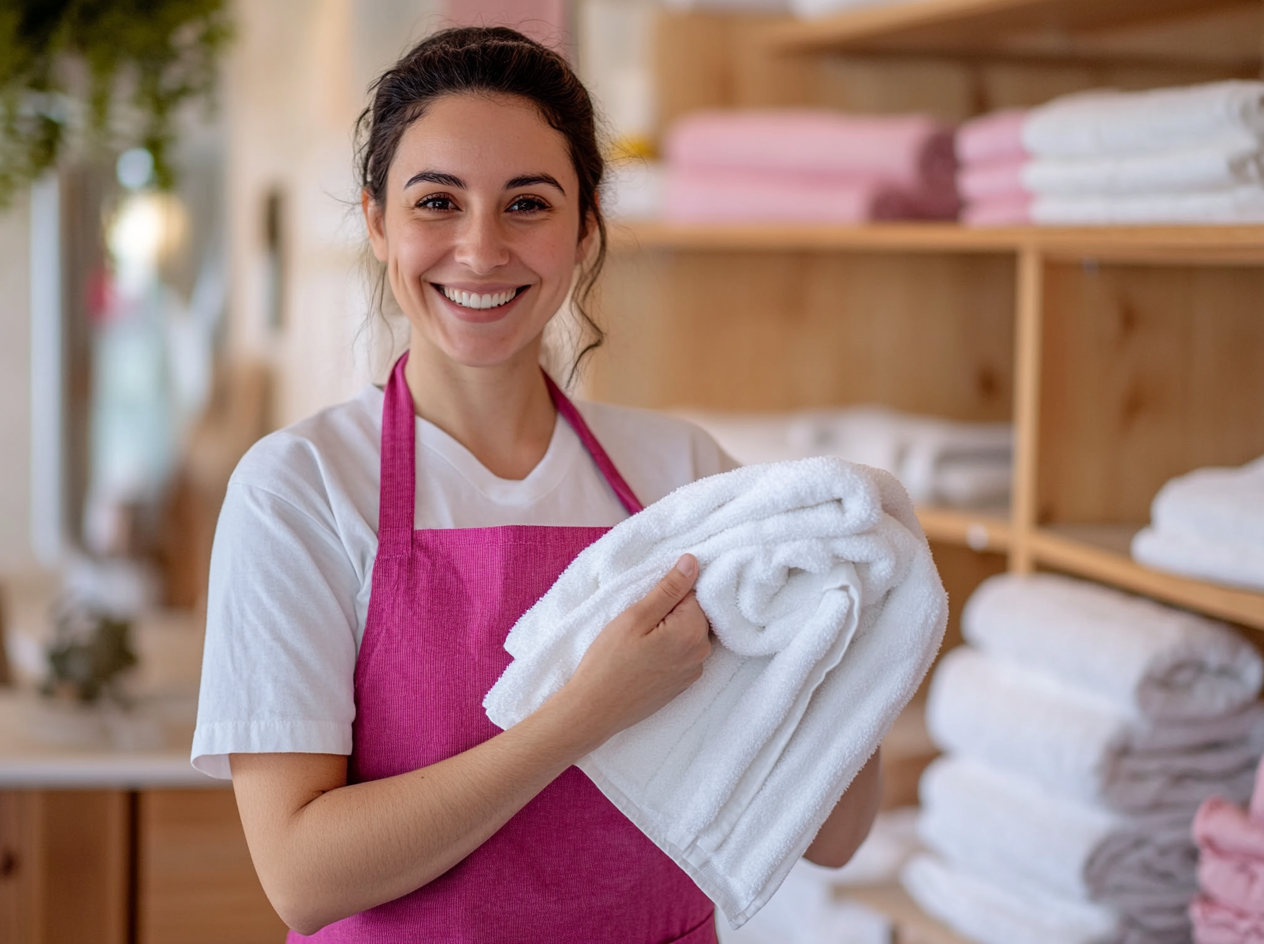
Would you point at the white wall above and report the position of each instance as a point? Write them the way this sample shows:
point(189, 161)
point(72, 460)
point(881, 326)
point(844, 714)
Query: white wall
point(295, 83)
point(15, 389)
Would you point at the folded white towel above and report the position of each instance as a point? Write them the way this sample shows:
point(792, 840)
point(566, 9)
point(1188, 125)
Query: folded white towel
point(983, 912)
point(1080, 747)
point(828, 611)
point(1210, 166)
point(1094, 124)
point(1140, 656)
point(939, 461)
point(1015, 834)
point(1238, 205)
point(1219, 560)
point(1214, 503)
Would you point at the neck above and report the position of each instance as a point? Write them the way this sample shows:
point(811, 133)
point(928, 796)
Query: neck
point(503, 415)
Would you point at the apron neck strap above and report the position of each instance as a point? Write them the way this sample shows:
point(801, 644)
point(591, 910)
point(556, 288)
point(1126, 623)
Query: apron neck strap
point(397, 502)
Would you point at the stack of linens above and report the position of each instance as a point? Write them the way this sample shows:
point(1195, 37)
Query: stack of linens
point(1083, 727)
point(940, 462)
point(1230, 906)
point(1182, 155)
point(1209, 524)
point(808, 165)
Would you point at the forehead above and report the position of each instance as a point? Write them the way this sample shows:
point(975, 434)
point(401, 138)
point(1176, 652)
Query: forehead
point(483, 139)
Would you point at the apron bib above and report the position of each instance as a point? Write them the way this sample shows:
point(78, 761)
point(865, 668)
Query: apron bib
point(568, 868)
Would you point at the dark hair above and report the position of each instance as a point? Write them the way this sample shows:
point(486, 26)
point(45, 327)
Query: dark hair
point(490, 60)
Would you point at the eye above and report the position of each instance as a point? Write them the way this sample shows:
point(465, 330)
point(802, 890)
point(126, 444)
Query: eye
point(527, 205)
point(436, 201)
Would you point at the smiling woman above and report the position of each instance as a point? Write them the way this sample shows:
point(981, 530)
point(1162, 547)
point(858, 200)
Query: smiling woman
point(370, 561)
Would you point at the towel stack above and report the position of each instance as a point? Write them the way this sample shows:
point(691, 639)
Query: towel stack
point(1082, 728)
point(1230, 908)
point(1209, 524)
point(808, 165)
point(1182, 155)
point(940, 462)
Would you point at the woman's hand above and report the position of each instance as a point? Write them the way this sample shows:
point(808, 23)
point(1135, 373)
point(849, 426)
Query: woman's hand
point(643, 659)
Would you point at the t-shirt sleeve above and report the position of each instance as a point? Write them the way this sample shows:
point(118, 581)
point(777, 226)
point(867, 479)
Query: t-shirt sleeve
point(279, 662)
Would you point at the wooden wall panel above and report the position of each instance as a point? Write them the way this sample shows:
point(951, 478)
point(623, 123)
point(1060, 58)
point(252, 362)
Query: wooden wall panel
point(1147, 373)
point(197, 883)
point(20, 867)
point(771, 331)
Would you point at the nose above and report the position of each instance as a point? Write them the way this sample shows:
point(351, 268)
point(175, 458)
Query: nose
point(482, 245)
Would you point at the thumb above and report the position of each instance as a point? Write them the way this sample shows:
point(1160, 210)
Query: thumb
point(669, 591)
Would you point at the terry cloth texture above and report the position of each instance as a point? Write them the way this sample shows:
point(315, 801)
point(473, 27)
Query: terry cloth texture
point(828, 611)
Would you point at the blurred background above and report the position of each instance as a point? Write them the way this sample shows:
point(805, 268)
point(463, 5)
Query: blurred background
point(845, 227)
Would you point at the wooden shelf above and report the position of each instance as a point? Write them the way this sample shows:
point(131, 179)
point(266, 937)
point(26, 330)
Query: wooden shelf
point(978, 530)
point(912, 925)
point(978, 28)
point(1167, 245)
point(1100, 552)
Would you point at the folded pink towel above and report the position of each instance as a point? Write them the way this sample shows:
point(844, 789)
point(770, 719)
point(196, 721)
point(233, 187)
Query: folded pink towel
point(910, 151)
point(1218, 923)
point(1007, 210)
point(997, 136)
point(1227, 827)
point(733, 196)
point(991, 180)
point(1232, 880)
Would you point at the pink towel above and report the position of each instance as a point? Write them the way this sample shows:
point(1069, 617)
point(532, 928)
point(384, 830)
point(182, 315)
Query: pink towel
point(730, 196)
point(1221, 824)
point(1232, 880)
point(910, 151)
point(1008, 210)
point(1218, 923)
point(991, 180)
point(993, 137)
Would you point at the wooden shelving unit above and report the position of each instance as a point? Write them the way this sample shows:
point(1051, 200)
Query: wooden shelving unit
point(1124, 356)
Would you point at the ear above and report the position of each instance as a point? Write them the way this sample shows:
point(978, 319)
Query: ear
point(589, 239)
point(375, 223)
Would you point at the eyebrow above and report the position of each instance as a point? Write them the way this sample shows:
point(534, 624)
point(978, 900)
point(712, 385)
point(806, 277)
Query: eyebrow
point(451, 180)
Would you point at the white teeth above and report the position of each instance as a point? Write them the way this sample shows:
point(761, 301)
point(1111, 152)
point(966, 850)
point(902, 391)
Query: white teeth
point(474, 300)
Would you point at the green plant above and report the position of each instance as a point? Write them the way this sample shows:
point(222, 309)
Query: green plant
point(114, 71)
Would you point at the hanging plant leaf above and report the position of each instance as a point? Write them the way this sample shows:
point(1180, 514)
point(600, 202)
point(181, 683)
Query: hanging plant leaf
point(112, 72)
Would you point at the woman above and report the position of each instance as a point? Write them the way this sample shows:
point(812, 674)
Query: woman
point(350, 640)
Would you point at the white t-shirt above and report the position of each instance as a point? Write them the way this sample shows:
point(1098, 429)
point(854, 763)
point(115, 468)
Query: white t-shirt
point(292, 564)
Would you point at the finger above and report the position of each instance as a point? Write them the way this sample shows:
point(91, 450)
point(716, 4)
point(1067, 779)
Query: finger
point(668, 592)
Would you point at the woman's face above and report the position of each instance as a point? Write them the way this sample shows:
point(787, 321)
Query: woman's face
point(480, 227)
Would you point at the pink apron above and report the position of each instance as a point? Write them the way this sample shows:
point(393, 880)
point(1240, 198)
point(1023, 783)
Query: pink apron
point(569, 868)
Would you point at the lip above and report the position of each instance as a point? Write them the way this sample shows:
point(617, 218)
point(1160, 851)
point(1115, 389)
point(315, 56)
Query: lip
point(479, 315)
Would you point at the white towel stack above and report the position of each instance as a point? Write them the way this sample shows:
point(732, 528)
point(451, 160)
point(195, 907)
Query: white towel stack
point(940, 462)
point(1209, 524)
point(827, 612)
point(1083, 727)
point(1192, 154)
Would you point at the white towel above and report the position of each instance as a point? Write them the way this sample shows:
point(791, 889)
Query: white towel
point(828, 611)
point(1015, 834)
point(939, 461)
point(1239, 205)
point(1206, 166)
point(1214, 503)
point(983, 912)
point(1140, 656)
point(1094, 124)
point(1077, 746)
point(1234, 563)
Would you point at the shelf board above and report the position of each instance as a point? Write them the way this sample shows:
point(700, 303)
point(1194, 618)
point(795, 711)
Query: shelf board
point(975, 27)
point(1194, 245)
point(912, 925)
point(979, 530)
point(1100, 552)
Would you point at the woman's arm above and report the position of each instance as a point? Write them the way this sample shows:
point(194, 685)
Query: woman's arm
point(325, 849)
point(848, 825)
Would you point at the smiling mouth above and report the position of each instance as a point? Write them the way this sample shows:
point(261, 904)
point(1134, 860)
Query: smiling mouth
point(477, 302)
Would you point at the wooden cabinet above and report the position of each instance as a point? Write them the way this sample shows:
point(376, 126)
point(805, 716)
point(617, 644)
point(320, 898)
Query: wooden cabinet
point(125, 867)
